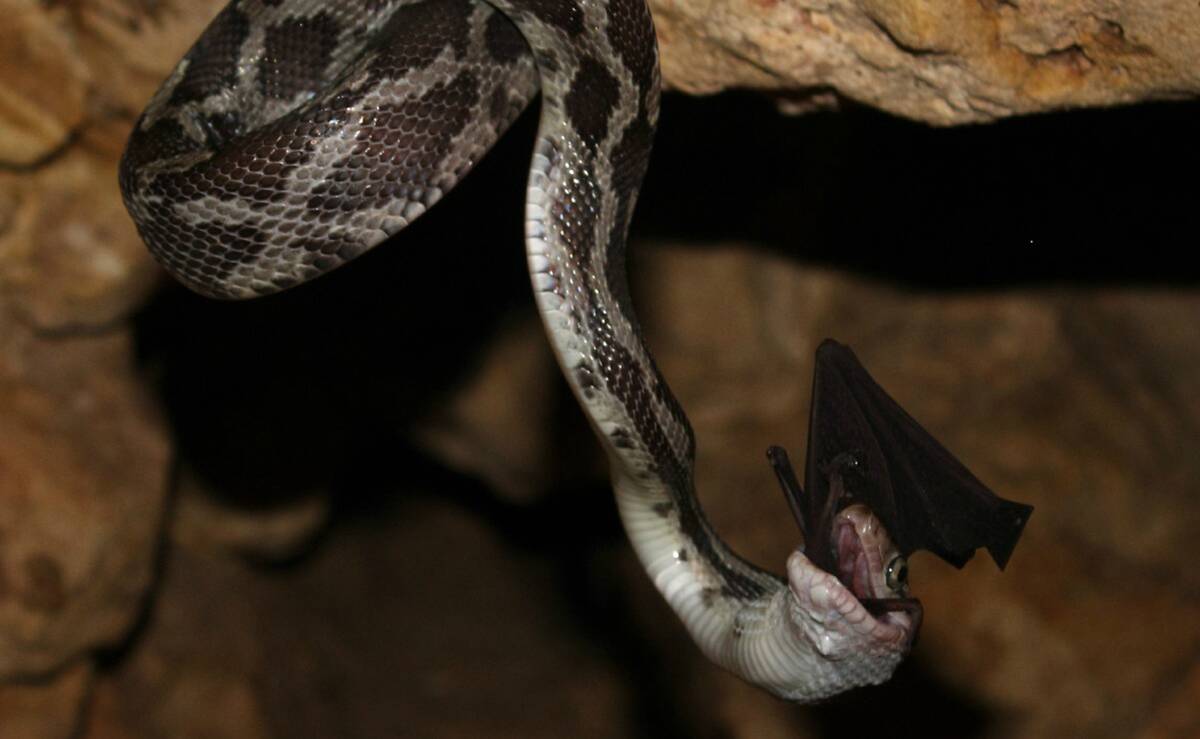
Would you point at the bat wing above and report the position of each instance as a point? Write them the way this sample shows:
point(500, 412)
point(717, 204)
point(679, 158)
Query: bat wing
point(864, 448)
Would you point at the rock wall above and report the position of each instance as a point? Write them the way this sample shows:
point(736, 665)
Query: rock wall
point(166, 562)
point(939, 61)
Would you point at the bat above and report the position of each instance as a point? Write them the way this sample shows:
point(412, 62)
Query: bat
point(864, 448)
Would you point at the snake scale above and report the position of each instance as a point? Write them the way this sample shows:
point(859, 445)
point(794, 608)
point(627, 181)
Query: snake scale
point(297, 134)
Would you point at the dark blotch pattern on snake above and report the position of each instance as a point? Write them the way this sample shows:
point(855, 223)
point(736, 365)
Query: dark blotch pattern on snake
point(297, 134)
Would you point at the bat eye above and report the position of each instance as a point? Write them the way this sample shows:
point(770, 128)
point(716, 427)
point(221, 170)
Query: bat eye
point(896, 574)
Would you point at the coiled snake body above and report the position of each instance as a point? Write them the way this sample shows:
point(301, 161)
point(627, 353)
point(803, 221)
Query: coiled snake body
point(297, 134)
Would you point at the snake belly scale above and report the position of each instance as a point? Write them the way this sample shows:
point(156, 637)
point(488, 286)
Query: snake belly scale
point(297, 134)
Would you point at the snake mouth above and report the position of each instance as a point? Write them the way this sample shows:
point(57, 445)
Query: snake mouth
point(849, 543)
point(853, 560)
point(859, 543)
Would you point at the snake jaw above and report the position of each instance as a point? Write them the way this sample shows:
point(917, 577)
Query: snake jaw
point(865, 552)
point(830, 617)
point(846, 555)
point(853, 609)
point(862, 549)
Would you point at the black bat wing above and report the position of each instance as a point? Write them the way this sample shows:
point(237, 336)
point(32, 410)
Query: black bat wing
point(925, 497)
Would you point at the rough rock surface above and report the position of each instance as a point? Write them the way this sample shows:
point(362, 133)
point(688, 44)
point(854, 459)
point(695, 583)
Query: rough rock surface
point(39, 113)
point(1075, 400)
point(1082, 404)
point(69, 257)
point(83, 452)
point(273, 533)
point(1081, 399)
point(82, 484)
point(939, 61)
point(240, 652)
point(1058, 399)
point(943, 62)
point(46, 709)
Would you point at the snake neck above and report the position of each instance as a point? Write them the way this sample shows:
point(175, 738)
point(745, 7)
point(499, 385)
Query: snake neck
point(600, 102)
point(600, 96)
point(297, 134)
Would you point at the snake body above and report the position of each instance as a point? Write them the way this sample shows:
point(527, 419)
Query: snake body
point(297, 134)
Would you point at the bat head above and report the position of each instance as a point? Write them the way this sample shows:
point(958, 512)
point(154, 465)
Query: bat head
point(864, 448)
point(848, 566)
point(879, 487)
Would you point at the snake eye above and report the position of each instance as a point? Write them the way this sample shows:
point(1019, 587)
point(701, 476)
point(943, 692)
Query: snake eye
point(896, 574)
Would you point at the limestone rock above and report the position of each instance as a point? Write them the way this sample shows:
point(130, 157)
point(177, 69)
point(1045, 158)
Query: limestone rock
point(43, 99)
point(515, 454)
point(192, 673)
point(83, 461)
point(69, 255)
point(70, 258)
point(1078, 403)
point(939, 61)
point(376, 635)
point(1081, 401)
point(46, 709)
point(276, 532)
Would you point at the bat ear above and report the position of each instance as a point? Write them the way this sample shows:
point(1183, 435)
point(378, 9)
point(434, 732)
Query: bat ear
point(925, 497)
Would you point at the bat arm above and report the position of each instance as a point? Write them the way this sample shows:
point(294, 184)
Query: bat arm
point(815, 523)
point(838, 580)
point(794, 494)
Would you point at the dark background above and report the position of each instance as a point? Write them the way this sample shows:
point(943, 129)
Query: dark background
point(313, 388)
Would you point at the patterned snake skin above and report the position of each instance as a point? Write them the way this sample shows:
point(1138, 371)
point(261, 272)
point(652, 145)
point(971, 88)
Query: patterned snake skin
point(297, 134)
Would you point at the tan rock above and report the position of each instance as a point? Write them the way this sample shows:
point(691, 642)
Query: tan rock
point(46, 709)
point(1177, 716)
point(192, 674)
point(939, 61)
point(83, 462)
point(1081, 402)
point(202, 520)
point(43, 91)
point(1077, 402)
point(132, 45)
point(70, 258)
point(500, 425)
point(376, 634)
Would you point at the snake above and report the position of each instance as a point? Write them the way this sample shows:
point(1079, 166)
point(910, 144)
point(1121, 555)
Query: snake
point(295, 135)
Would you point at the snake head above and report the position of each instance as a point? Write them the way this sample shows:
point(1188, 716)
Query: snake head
point(848, 580)
point(864, 605)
